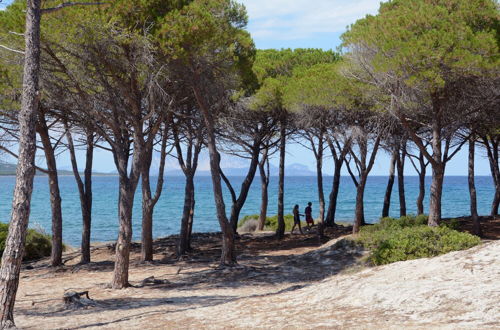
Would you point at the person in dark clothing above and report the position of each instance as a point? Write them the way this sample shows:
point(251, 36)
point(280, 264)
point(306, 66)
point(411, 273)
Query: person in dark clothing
point(296, 219)
point(309, 218)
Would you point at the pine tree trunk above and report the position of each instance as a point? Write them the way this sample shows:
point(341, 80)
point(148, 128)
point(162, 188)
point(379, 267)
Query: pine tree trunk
point(14, 244)
point(319, 178)
point(280, 231)
point(359, 220)
point(183, 245)
point(84, 189)
point(264, 183)
point(390, 184)
point(437, 177)
point(55, 195)
point(332, 205)
point(86, 200)
point(476, 225)
point(147, 232)
point(122, 253)
point(147, 212)
point(228, 256)
point(400, 161)
point(421, 185)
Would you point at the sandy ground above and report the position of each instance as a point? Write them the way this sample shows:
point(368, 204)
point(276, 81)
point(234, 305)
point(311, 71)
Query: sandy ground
point(295, 284)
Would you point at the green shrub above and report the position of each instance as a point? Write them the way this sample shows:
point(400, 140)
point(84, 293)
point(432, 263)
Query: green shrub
point(409, 238)
point(38, 245)
point(271, 222)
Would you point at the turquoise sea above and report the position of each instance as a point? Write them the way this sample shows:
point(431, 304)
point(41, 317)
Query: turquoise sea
point(298, 190)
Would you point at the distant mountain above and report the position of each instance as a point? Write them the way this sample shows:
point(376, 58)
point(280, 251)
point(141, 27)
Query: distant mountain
point(291, 170)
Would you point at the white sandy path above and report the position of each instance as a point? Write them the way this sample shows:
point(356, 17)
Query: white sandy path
point(460, 290)
point(457, 290)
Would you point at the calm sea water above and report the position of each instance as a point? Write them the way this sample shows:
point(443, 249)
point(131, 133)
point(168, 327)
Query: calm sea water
point(298, 190)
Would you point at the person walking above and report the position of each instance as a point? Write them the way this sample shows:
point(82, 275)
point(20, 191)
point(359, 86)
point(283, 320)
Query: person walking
point(296, 219)
point(309, 218)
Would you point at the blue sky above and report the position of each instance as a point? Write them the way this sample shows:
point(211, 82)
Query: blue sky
point(303, 24)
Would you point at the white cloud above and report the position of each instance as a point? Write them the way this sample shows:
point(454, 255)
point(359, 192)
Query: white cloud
point(299, 19)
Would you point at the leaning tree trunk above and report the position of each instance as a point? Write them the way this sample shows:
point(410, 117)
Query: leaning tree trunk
point(280, 231)
point(14, 244)
point(390, 184)
point(400, 161)
point(476, 225)
point(55, 194)
point(245, 187)
point(264, 183)
point(421, 184)
point(332, 205)
point(228, 255)
point(183, 245)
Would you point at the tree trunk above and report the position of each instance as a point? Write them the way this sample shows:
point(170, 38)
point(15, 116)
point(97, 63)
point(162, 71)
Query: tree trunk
point(280, 231)
point(147, 232)
point(437, 176)
point(14, 244)
point(493, 151)
point(122, 253)
point(86, 200)
point(228, 255)
point(476, 225)
point(190, 222)
point(436, 195)
point(264, 182)
point(245, 186)
point(55, 195)
point(319, 178)
point(84, 189)
point(359, 220)
point(390, 184)
point(421, 184)
point(332, 205)
point(188, 209)
point(400, 161)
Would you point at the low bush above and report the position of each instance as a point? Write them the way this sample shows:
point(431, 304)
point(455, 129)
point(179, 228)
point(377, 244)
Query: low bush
point(38, 245)
point(409, 238)
point(271, 222)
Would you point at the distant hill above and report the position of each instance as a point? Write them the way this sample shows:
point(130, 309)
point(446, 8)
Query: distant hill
point(291, 170)
point(7, 169)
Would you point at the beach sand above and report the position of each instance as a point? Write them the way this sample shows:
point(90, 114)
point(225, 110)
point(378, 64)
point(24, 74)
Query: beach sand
point(297, 283)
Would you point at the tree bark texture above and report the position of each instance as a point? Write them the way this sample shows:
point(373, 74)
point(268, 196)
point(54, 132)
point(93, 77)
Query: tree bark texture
point(228, 255)
point(476, 225)
point(421, 184)
point(390, 184)
point(55, 195)
point(14, 244)
point(438, 168)
point(400, 162)
point(187, 212)
point(492, 144)
point(84, 189)
point(280, 231)
point(264, 183)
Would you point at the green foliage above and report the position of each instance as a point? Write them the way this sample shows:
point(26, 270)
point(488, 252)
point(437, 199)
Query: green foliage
point(208, 37)
point(429, 42)
point(409, 238)
point(271, 222)
point(38, 245)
